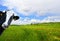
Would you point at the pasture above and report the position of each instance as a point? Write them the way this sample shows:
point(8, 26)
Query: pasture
point(32, 32)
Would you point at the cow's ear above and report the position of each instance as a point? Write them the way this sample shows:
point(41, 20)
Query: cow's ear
point(16, 17)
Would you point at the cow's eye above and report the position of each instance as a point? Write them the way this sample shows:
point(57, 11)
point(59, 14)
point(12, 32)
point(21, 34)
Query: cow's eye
point(1, 14)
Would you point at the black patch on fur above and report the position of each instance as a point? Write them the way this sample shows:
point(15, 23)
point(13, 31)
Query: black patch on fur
point(1, 30)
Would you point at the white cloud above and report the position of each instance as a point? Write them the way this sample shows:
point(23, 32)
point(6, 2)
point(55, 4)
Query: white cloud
point(26, 21)
point(51, 19)
point(34, 21)
point(27, 6)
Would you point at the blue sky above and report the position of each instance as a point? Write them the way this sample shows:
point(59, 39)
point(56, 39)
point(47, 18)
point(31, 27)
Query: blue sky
point(33, 11)
point(2, 8)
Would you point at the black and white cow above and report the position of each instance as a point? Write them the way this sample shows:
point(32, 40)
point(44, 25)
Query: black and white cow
point(6, 19)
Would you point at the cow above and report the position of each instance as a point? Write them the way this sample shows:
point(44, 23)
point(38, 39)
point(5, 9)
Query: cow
point(6, 19)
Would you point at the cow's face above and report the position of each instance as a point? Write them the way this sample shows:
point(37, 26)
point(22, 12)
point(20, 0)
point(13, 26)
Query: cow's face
point(9, 17)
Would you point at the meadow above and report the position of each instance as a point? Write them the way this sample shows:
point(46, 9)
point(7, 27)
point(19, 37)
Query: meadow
point(32, 32)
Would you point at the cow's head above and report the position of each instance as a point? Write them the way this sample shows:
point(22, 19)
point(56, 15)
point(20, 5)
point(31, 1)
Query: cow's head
point(8, 18)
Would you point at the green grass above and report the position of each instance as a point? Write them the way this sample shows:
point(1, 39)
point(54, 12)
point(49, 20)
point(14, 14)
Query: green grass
point(33, 32)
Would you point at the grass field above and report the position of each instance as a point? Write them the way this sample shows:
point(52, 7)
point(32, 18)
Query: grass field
point(33, 32)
